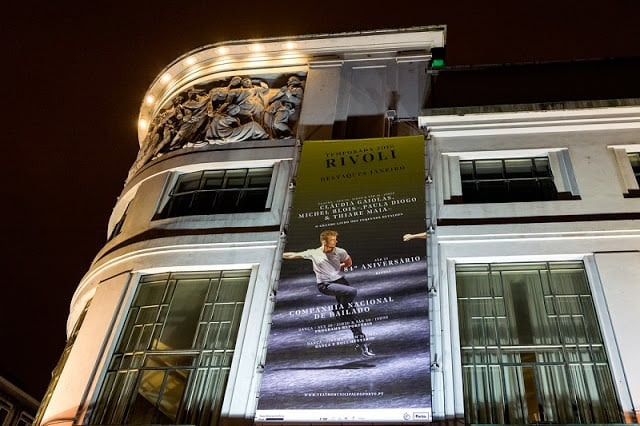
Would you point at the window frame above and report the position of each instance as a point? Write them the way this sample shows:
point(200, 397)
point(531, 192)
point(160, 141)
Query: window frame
point(626, 175)
point(175, 180)
point(273, 205)
point(227, 393)
point(451, 359)
point(559, 163)
point(7, 407)
point(24, 419)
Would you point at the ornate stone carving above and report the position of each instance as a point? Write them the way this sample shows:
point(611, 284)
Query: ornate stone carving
point(240, 109)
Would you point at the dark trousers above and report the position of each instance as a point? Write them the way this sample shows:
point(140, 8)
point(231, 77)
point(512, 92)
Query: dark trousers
point(344, 294)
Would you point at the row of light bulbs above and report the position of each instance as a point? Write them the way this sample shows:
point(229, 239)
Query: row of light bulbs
point(191, 60)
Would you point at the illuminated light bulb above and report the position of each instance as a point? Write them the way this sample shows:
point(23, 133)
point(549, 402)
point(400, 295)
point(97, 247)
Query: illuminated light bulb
point(142, 123)
point(190, 60)
point(165, 77)
point(289, 45)
point(256, 47)
point(149, 99)
point(223, 50)
point(256, 57)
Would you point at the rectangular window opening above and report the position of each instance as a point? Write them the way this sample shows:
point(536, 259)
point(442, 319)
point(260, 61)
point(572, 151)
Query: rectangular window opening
point(634, 159)
point(531, 346)
point(174, 354)
point(219, 191)
point(507, 180)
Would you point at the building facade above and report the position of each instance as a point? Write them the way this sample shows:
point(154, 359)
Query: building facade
point(486, 267)
point(17, 408)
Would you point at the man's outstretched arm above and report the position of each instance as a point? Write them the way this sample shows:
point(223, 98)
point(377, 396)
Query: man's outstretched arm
point(407, 237)
point(291, 255)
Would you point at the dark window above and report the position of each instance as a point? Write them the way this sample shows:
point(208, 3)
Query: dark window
point(5, 411)
point(118, 226)
point(507, 180)
point(634, 158)
point(24, 420)
point(219, 191)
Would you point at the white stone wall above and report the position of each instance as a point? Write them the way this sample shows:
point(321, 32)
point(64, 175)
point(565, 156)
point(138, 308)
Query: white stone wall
point(606, 240)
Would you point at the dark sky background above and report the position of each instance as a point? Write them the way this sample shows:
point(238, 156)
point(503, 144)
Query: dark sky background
point(73, 78)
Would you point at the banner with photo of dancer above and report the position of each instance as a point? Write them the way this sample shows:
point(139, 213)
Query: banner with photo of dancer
point(349, 339)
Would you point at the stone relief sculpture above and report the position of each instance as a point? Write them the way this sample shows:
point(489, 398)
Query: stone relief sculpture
point(241, 109)
point(282, 107)
point(225, 126)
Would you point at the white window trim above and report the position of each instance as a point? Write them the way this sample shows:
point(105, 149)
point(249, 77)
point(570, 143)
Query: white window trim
point(451, 359)
point(628, 182)
point(241, 361)
point(559, 161)
point(279, 177)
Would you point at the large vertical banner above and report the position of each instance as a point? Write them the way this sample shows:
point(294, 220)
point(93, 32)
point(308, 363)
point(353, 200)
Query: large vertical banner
point(350, 335)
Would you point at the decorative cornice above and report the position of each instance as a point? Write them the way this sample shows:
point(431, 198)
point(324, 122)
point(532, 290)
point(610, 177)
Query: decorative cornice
point(242, 57)
point(539, 121)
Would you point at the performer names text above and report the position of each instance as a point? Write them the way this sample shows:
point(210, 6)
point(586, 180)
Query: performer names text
point(358, 209)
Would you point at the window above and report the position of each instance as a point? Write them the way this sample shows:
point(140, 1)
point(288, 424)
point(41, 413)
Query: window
point(24, 420)
point(219, 191)
point(117, 228)
point(507, 180)
point(5, 412)
point(174, 354)
point(627, 158)
point(531, 346)
point(508, 176)
point(634, 159)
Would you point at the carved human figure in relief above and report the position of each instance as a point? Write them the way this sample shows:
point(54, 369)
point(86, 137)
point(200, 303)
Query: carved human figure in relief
point(225, 126)
point(251, 99)
point(282, 109)
point(193, 117)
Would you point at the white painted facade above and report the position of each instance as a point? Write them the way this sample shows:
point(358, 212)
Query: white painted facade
point(596, 231)
point(587, 151)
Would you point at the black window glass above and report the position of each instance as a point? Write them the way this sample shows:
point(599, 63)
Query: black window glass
point(219, 191)
point(634, 158)
point(507, 180)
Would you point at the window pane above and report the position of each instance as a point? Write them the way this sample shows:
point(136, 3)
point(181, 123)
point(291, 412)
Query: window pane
point(150, 293)
point(236, 178)
point(548, 190)
point(259, 178)
point(518, 168)
point(181, 205)
point(204, 202)
point(489, 169)
point(213, 179)
point(184, 312)
point(466, 170)
point(189, 182)
point(493, 191)
point(524, 190)
point(470, 192)
point(542, 167)
point(634, 158)
point(253, 201)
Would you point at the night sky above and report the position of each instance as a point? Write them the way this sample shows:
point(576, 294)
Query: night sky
point(73, 78)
